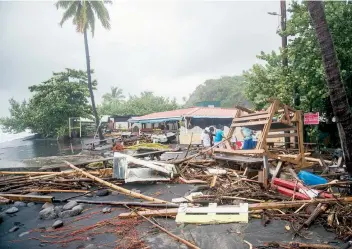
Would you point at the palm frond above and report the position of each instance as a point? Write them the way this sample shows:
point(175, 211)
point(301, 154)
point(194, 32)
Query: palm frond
point(90, 18)
point(70, 12)
point(63, 4)
point(102, 13)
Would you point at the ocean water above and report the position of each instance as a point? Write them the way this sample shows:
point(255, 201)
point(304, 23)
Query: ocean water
point(16, 147)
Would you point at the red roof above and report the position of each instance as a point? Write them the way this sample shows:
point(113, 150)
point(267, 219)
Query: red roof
point(206, 112)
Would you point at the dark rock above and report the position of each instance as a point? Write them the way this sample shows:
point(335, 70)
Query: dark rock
point(90, 246)
point(1, 218)
point(47, 214)
point(76, 210)
point(12, 210)
point(23, 234)
point(57, 224)
point(15, 228)
point(58, 209)
point(19, 204)
point(47, 205)
point(70, 205)
point(106, 210)
point(73, 212)
point(102, 192)
point(30, 204)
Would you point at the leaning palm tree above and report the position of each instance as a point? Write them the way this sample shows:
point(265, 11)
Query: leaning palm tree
point(83, 14)
point(337, 92)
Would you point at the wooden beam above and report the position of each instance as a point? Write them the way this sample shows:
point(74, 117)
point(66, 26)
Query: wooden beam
point(115, 187)
point(30, 198)
point(244, 109)
point(59, 190)
point(277, 171)
point(249, 123)
point(293, 128)
point(282, 135)
point(253, 114)
point(241, 119)
point(291, 204)
point(240, 152)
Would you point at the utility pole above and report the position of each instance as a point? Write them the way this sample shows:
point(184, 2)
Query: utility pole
point(283, 29)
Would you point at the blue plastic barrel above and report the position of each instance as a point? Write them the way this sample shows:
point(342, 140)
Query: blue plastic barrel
point(311, 179)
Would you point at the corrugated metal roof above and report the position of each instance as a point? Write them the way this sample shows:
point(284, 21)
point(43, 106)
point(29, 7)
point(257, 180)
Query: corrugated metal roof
point(200, 112)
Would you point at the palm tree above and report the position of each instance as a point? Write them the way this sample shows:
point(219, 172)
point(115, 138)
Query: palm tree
point(338, 96)
point(83, 14)
point(116, 94)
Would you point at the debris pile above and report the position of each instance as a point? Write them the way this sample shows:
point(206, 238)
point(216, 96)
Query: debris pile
point(224, 191)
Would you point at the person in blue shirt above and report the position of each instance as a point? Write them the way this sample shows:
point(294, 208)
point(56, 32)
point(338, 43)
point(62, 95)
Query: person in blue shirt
point(219, 135)
point(248, 138)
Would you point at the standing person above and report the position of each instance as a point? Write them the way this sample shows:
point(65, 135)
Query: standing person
point(207, 139)
point(219, 135)
point(248, 139)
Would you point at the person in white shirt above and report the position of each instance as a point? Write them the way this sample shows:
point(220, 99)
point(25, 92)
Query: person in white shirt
point(207, 139)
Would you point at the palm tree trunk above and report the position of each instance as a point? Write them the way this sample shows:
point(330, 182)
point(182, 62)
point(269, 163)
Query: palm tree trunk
point(90, 87)
point(338, 96)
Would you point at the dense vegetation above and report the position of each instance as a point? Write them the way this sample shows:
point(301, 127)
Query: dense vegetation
point(305, 69)
point(62, 96)
point(228, 90)
point(114, 103)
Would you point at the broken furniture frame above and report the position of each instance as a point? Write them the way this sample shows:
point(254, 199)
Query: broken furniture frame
point(277, 121)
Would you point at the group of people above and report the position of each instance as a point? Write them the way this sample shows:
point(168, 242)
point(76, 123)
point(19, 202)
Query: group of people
point(211, 137)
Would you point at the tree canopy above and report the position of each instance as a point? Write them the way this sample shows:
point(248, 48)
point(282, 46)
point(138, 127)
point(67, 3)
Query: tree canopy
point(145, 103)
point(54, 101)
point(305, 68)
point(228, 90)
point(84, 13)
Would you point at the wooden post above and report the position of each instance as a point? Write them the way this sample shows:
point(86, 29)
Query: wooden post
point(265, 171)
point(113, 186)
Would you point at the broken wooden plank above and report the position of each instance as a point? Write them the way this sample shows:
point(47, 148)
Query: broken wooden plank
point(291, 204)
point(129, 203)
point(29, 198)
point(113, 186)
point(212, 214)
point(58, 190)
point(277, 171)
point(282, 135)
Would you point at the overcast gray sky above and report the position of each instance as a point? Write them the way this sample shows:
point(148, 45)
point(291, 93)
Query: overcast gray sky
point(168, 47)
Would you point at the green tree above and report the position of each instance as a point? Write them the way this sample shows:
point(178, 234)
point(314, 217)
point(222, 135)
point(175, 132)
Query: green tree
point(228, 90)
point(146, 103)
point(338, 96)
point(305, 68)
point(53, 102)
point(83, 14)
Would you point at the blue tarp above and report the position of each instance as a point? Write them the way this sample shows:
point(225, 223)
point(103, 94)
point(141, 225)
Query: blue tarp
point(159, 120)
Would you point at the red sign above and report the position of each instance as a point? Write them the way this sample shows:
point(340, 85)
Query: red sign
point(311, 118)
